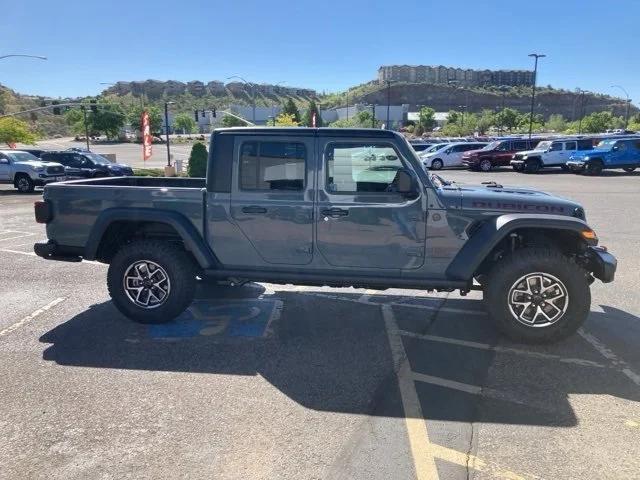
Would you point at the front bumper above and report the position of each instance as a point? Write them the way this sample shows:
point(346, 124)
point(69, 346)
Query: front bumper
point(602, 264)
point(46, 179)
point(575, 166)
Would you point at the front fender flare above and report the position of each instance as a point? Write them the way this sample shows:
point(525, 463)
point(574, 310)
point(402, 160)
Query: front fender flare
point(494, 230)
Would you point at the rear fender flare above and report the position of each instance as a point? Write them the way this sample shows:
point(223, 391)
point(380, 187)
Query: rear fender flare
point(494, 230)
point(192, 239)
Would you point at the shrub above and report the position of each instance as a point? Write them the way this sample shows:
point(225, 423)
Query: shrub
point(198, 161)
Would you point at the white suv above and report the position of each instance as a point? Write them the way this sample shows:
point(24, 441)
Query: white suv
point(449, 155)
point(550, 153)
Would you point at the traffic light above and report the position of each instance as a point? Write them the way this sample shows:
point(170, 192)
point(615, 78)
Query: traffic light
point(195, 115)
point(56, 110)
point(94, 106)
point(213, 112)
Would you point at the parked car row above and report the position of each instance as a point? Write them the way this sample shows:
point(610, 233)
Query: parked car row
point(589, 155)
point(27, 169)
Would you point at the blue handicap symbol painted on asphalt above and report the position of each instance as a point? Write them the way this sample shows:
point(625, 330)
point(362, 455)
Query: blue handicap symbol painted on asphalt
point(246, 318)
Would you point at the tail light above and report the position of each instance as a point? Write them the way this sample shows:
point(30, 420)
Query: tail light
point(44, 213)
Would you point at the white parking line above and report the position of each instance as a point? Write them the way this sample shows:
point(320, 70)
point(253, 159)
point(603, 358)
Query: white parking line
point(500, 349)
point(31, 316)
point(607, 353)
point(17, 237)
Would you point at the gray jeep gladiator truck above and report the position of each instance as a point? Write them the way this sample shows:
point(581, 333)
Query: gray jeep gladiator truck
point(336, 207)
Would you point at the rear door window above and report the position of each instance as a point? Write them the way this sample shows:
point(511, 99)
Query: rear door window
point(520, 145)
point(570, 146)
point(272, 166)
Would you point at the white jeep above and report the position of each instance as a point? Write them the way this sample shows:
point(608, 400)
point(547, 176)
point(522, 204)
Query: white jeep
point(549, 153)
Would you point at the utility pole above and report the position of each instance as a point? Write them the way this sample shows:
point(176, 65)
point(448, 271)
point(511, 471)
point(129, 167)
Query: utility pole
point(626, 117)
point(533, 90)
point(166, 129)
point(347, 105)
point(582, 92)
point(388, 103)
point(373, 116)
point(463, 108)
point(86, 126)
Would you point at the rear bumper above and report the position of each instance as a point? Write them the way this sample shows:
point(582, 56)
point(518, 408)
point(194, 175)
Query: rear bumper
point(50, 250)
point(602, 264)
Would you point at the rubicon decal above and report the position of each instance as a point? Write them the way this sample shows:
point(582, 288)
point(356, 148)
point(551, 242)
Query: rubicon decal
point(519, 207)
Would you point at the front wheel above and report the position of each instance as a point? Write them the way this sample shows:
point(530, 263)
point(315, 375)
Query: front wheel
point(485, 165)
point(436, 164)
point(593, 168)
point(537, 295)
point(24, 184)
point(151, 281)
point(532, 166)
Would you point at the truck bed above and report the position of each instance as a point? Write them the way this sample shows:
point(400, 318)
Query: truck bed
point(77, 204)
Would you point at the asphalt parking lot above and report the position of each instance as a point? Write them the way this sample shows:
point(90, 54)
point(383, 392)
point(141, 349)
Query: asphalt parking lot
point(282, 382)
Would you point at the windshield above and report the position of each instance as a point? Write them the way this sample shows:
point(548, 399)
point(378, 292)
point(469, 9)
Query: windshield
point(22, 157)
point(543, 145)
point(606, 144)
point(435, 147)
point(98, 159)
point(490, 146)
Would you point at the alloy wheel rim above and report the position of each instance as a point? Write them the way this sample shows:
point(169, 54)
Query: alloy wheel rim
point(146, 284)
point(538, 300)
point(23, 184)
point(485, 165)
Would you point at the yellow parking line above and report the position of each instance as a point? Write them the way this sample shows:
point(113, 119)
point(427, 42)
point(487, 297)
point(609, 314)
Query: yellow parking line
point(421, 447)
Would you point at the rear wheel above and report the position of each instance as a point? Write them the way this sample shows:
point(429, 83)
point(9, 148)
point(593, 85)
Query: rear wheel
point(436, 164)
point(151, 281)
point(593, 168)
point(485, 165)
point(537, 295)
point(518, 167)
point(629, 169)
point(24, 184)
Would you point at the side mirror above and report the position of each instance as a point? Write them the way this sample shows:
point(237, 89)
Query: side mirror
point(406, 183)
point(4, 161)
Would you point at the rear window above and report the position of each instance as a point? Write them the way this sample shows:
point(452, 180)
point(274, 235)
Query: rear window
point(521, 145)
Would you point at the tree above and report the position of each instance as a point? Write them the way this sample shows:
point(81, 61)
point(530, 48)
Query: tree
point(290, 108)
point(185, 122)
point(508, 118)
point(427, 119)
point(556, 123)
point(231, 121)
point(155, 118)
point(598, 122)
point(13, 130)
point(75, 119)
point(197, 161)
point(286, 120)
point(108, 119)
point(486, 120)
point(307, 118)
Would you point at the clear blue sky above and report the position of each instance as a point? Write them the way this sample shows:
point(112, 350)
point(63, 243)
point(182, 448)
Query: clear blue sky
point(325, 44)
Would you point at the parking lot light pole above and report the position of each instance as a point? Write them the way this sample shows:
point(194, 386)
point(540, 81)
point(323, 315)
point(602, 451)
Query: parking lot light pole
point(253, 95)
point(39, 57)
point(626, 117)
point(388, 82)
point(582, 92)
point(533, 89)
point(166, 130)
point(463, 108)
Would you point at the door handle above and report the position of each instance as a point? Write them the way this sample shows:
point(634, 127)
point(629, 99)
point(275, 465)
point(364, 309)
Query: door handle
point(335, 212)
point(254, 209)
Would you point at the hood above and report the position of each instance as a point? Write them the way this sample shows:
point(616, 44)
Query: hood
point(484, 199)
point(524, 153)
point(587, 153)
point(34, 163)
point(118, 166)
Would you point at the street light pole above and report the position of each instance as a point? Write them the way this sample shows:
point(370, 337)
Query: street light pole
point(166, 129)
point(626, 118)
point(253, 95)
point(86, 126)
point(533, 90)
point(581, 111)
point(39, 57)
point(463, 108)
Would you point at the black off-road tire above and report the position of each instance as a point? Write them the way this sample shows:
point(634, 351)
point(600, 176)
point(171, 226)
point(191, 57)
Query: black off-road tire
point(594, 168)
point(24, 184)
point(522, 262)
point(532, 166)
point(179, 268)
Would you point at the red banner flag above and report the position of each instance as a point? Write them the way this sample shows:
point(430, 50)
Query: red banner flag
point(146, 136)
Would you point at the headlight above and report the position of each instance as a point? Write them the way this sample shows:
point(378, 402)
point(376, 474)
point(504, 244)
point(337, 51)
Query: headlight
point(587, 158)
point(524, 157)
point(38, 169)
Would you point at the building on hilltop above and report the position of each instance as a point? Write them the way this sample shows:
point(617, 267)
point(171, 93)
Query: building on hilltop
point(461, 76)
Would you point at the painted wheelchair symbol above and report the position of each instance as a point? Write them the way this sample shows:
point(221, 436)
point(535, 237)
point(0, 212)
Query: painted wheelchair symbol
point(247, 318)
